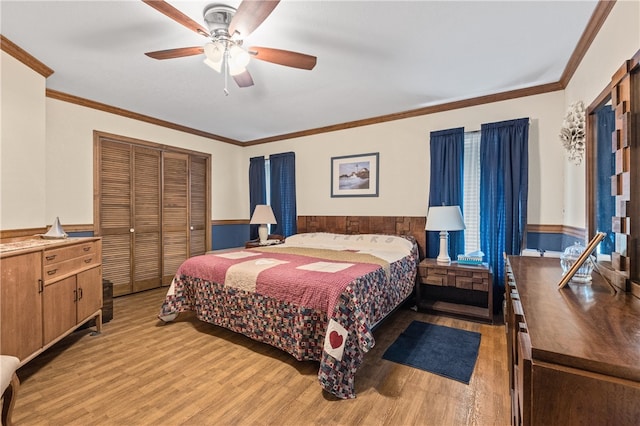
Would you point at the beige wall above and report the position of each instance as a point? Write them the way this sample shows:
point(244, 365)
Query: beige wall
point(22, 144)
point(404, 159)
point(47, 148)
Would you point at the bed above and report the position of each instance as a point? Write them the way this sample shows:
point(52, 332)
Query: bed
point(317, 296)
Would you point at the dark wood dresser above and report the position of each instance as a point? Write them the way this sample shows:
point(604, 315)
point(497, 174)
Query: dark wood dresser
point(574, 353)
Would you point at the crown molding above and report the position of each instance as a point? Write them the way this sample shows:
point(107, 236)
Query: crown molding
point(23, 56)
point(61, 96)
point(598, 18)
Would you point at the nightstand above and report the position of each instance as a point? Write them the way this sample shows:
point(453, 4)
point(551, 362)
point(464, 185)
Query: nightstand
point(456, 289)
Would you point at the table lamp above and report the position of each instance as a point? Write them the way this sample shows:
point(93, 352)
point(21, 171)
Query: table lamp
point(444, 219)
point(263, 216)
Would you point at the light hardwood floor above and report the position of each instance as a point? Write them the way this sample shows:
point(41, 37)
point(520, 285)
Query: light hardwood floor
point(140, 371)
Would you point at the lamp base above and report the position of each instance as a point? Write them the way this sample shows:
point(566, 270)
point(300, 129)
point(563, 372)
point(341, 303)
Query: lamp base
point(263, 233)
point(443, 257)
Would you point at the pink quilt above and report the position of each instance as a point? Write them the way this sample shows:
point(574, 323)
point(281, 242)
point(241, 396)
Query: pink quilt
point(313, 307)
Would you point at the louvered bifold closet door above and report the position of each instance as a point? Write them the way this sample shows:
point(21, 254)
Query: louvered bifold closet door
point(147, 227)
point(198, 172)
point(114, 216)
point(175, 213)
point(129, 216)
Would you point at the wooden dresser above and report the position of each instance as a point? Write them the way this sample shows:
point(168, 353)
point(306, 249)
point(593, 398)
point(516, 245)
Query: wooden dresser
point(574, 353)
point(48, 289)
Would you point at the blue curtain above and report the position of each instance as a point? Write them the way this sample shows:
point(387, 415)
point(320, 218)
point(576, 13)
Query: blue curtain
point(445, 189)
point(283, 193)
point(605, 167)
point(257, 190)
point(504, 182)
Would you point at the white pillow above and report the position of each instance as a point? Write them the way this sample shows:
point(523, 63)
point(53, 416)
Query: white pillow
point(350, 242)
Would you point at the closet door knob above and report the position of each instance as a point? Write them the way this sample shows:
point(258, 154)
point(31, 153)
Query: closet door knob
point(131, 230)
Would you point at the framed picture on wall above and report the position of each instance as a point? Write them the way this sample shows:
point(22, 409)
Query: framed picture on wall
point(355, 175)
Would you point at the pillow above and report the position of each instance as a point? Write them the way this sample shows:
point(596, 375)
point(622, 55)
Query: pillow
point(350, 241)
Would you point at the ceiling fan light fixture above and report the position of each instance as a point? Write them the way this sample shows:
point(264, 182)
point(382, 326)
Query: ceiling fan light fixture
point(216, 66)
point(238, 57)
point(214, 53)
point(236, 70)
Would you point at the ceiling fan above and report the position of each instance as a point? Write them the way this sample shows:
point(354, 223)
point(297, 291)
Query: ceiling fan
point(227, 28)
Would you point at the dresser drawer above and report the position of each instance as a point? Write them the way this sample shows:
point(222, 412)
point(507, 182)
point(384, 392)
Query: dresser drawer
point(54, 271)
point(66, 253)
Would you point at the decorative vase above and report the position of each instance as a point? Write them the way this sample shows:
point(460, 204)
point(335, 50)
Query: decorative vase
point(569, 257)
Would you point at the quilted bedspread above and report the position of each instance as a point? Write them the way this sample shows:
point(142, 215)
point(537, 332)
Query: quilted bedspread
point(315, 304)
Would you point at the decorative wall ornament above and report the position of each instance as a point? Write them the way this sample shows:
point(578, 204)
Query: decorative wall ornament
point(572, 132)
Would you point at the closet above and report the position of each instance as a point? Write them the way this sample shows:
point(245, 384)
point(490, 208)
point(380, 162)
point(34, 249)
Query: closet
point(151, 208)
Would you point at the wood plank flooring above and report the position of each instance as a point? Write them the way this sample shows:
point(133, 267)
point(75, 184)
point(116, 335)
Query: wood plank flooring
point(140, 371)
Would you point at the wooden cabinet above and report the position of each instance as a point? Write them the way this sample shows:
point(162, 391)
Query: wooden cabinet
point(455, 288)
point(21, 303)
point(151, 207)
point(48, 289)
point(573, 352)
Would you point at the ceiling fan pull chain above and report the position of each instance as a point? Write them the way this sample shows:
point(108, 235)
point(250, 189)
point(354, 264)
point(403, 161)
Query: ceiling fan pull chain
point(226, 70)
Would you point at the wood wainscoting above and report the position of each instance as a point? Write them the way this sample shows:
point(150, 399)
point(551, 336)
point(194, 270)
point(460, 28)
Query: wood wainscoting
point(394, 225)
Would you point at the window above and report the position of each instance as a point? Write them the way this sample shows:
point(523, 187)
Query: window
point(272, 182)
point(471, 191)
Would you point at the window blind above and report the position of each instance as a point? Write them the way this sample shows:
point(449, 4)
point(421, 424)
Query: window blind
point(471, 189)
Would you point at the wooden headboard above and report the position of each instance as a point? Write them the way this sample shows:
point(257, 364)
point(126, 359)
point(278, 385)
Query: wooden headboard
point(395, 225)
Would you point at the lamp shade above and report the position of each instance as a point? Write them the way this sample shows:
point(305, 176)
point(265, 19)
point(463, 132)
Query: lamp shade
point(263, 215)
point(444, 218)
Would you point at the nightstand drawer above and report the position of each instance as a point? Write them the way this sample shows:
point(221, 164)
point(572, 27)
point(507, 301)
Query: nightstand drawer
point(437, 271)
point(481, 284)
point(433, 280)
point(464, 282)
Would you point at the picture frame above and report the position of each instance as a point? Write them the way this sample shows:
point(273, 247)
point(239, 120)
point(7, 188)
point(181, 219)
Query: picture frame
point(355, 175)
point(583, 258)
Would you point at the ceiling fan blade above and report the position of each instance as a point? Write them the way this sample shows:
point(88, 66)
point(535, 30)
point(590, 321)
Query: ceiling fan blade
point(249, 15)
point(176, 53)
point(244, 79)
point(173, 13)
point(283, 57)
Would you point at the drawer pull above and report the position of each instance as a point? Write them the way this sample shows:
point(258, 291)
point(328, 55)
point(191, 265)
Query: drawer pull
point(51, 257)
point(88, 260)
point(86, 248)
point(51, 272)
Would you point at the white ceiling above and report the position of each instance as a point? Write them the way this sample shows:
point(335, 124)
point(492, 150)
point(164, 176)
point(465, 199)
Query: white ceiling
point(374, 58)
